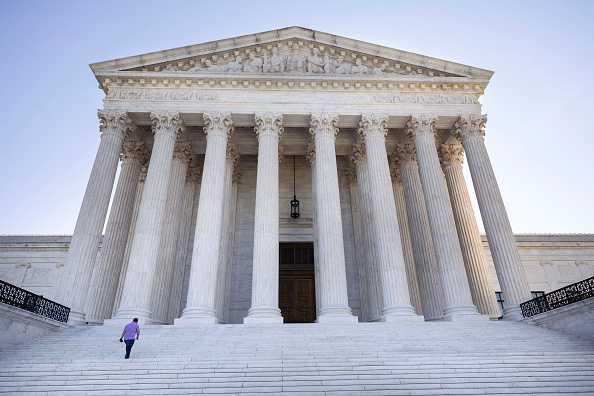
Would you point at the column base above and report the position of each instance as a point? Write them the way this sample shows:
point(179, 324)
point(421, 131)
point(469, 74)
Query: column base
point(461, 313)
point(121, 322)
point(336, 315)
point(259, 315)
point(197, 316)
point(76, 318)
point(402, 319)
point(509, 313)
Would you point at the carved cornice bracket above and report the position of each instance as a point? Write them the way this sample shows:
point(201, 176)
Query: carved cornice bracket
point(469, 127)
point(324, 125)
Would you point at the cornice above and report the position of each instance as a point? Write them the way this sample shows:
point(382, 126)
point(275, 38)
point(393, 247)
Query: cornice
point(304, 37)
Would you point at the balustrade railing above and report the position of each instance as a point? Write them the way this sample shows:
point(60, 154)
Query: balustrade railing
point(569, 294)
point(21, 298)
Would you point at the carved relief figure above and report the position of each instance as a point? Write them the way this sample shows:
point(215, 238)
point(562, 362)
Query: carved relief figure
point(170, 67)
point(340, 67)
point(274, 64)
point(315, 63)
point(236, 66)
point(210, 66)
point(381, 69)
point(295, 61)
point(253, 64)
point(359, 68)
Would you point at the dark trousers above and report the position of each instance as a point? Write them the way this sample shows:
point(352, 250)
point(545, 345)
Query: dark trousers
point(129, 344)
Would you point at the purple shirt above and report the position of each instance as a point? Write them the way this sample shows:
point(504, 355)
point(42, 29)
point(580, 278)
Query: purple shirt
point(131, 330)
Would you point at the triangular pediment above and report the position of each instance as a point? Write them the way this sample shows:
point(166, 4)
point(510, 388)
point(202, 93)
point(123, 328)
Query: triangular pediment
point(289, 51)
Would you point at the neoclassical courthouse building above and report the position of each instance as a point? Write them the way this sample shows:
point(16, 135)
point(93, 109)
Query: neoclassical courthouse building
point(216, 143)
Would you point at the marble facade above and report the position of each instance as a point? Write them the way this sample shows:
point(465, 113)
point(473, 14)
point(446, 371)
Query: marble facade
point(202, 200)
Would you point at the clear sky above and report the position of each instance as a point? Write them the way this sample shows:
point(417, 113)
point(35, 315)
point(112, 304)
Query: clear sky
point(539, 136)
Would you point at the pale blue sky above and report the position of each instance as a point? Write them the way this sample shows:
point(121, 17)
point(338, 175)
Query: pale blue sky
point(539, 134)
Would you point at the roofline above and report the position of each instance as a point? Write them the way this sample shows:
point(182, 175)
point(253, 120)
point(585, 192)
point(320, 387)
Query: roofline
point(283, 34)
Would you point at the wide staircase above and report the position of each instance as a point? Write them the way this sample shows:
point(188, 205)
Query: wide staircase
point(308, 359)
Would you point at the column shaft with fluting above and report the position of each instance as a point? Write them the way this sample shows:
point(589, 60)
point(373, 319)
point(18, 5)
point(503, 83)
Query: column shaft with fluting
point(136, 295)
point(458, 300)
point(162, 281)
point(265, 273)
point(226, 251)
point(73, 287)
point(372, 271)
point(311, 159)
point(192, 177)
point(131, 232)
point(102, 291)
point(502, 243)
point(360, 253)
point(407, 250)
point(422, 243)
point(473, 253)
point(334, 303)
point(201, 305)
point(396, 300)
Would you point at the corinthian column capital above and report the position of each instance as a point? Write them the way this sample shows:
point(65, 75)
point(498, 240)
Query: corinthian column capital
point(269, 124)
point(421, 126)
point(134, 151)
point(351, 175)
point(396, 175)
point(114, 122)
point(450, 155)
point(358, 154)
point(183, 152)
point(324, 125)
point(469, 127)
point(168, 123)
point(311, 153)
point(232, 153)
point(218, 123)
point(193, 175)
point(406, 153)
point(373, 125)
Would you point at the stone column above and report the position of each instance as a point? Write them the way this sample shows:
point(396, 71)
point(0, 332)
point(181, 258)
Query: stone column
point(192, 177)
point(372, 271)
point(201, 305)
point(396, 300)
point(228, 264)
point(103, 288)
point(131, 232)
point(334, 303)
point(458, 300)
point(407, 250)
point(502, 243)
point(422, 243)
point(266, 250)
point(73, 287)
point(136, 295)
point(162, 281)
point(311, 159)
point(226, 248)
point(360, 252)
point(477, 270)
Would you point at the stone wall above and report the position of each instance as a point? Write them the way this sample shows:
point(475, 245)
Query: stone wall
point(576, 319)
point(18, 325)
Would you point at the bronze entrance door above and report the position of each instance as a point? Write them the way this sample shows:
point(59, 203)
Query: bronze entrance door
point(297, 298)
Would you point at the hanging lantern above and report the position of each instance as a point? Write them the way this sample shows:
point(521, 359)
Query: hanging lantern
point(294, 201)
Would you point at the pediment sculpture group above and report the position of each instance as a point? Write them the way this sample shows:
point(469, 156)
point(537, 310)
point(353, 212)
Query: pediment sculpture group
point(294, 62)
